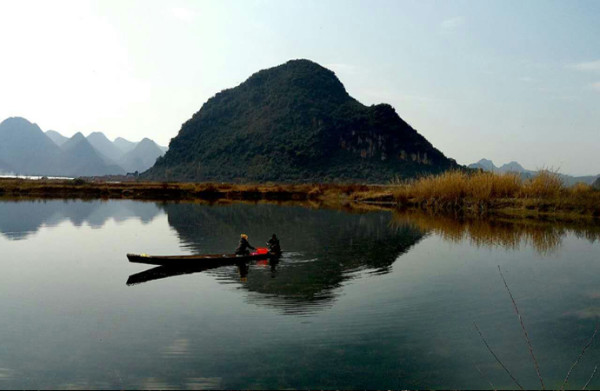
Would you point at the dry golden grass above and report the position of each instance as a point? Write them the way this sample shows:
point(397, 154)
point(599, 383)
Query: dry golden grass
point(456, 186)
point(484, 191)
point(454, 191)
point(545, 184)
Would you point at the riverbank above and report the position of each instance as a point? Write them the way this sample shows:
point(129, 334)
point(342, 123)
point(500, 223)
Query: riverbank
point(450, 193)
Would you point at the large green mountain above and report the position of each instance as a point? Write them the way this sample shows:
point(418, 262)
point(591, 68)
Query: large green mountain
point(296, 122)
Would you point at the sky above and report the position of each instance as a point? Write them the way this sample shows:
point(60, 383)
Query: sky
point(503, 80)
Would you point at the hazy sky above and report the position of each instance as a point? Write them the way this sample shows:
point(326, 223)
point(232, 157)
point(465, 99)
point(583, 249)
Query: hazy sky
point(506, 80)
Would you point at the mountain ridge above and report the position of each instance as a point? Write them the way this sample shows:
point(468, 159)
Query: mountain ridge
point(27, 150)
point(102, 144)
point(515, 167)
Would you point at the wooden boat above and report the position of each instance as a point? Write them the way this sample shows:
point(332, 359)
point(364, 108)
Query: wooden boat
point(196, 260)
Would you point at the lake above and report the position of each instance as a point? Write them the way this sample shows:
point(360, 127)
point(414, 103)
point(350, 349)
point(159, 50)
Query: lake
point(358, 300)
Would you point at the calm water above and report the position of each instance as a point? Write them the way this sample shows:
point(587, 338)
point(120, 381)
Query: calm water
point(371, 300)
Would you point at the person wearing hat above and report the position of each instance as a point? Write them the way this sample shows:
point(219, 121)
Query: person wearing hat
point(244, 246)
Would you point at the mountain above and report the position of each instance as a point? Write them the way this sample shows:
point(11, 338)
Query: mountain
point(515, 167)
point(141, 157)
point(124, 145)
point(296, 122)
point(26, 149)
point(512, 167)
point(488, 165)
point(81, 159)
point(103, 145)
point(58, 138)
point(484, 164)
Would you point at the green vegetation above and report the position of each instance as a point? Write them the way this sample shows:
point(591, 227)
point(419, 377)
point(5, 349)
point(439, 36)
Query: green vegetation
point(295, 123)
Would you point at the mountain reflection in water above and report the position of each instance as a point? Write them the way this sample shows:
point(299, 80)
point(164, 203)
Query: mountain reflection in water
point(325, 248)
point(19, 219)
point(359, 300)
point(322, 249)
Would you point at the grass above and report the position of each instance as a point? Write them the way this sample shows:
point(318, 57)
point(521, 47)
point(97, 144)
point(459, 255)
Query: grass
point(484, 192)
point(471, 193)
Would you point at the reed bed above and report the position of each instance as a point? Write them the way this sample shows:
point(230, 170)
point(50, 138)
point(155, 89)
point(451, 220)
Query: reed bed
point(467, 192)
point(485, 192)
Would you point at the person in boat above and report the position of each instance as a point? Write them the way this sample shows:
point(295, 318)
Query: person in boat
point(244, 246)
point(273, 245)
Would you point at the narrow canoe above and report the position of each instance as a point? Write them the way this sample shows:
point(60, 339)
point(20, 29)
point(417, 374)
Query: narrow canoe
point(190, 260)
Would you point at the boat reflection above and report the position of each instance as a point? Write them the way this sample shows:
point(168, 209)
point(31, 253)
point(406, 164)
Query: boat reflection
point(161, 272)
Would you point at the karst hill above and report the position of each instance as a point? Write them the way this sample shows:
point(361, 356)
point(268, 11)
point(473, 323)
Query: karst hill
point(296, 122)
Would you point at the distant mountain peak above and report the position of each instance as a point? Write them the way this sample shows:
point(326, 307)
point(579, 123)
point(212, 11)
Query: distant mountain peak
point(20, 124)
point(516, 167)
point(98, 135)
point(513, 167)
point(484, 164)
point(77, 140)
point(26, 149)
point(142, 156)
point(16, 121)
point(107, 148)
point(124, 145)
point(58, 138)
point(146, 141)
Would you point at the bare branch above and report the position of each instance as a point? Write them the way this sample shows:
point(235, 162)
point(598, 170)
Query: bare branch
point(579, 358)
point(535, 363)
point(496, 357)
point(591, 377)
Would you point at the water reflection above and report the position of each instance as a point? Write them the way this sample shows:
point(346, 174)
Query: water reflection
point(381, 300)
point(20, 219)
point(544, 236)
point(322, 249)
point(160, 272)
point(325, 248)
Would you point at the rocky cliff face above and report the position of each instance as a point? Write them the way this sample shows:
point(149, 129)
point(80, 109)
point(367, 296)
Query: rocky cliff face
point(296, 122)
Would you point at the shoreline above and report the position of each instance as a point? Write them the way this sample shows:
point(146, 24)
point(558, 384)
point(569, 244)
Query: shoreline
point(564, 205)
